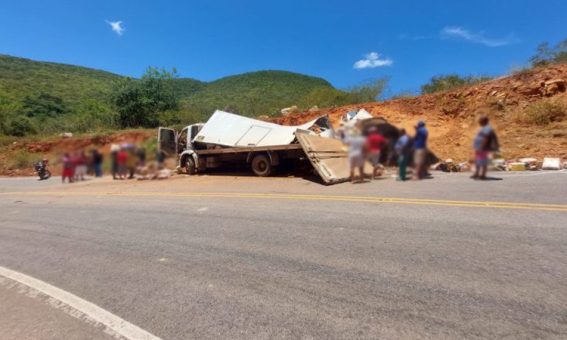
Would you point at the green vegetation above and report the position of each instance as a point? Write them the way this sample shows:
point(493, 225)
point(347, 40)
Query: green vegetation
point(368, 91)
point(546, 54)
point(450, 82)
point(255, 93)
point(544, 113)
point(139, 102)
point(22, 159)
point(49, 98)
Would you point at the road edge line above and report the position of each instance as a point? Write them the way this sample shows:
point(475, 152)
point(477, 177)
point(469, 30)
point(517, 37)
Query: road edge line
point(89, 309)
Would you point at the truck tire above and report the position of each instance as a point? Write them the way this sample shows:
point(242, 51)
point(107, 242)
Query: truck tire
point(261, 165)
point(188, 165)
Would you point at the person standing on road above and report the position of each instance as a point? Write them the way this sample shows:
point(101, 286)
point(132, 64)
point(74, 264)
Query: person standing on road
point(67, 168)
point(375, 143)
point(97, 162)
point(356, 153)
point(420, 150)
point(141, 153)
point(484, 142)
point(114, 149)
point(122, 161)
point(132, 162)
point(80, 166)
point(403, 149)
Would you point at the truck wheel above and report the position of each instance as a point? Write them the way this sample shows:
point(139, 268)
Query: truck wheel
point(189, 165)
point(261, 165)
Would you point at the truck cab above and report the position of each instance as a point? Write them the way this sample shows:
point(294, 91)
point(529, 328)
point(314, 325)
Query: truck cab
point(180, 144)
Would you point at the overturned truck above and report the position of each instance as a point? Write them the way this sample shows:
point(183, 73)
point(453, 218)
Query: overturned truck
point(229, 139)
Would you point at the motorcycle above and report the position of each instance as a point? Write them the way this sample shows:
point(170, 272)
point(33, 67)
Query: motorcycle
point(42, 171)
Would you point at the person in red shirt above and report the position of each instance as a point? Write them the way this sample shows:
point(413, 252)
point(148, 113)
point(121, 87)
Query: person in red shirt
point(122, 160)
point(375, 144)
point(68, 168)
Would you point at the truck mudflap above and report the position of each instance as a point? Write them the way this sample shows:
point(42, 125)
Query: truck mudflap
point(328, 156)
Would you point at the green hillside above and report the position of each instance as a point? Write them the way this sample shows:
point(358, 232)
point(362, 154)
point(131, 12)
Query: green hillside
point(76, 85)
point(256, 93)
point(45, 97)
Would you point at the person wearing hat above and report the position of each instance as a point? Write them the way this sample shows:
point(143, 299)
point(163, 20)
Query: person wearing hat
point(420, 149)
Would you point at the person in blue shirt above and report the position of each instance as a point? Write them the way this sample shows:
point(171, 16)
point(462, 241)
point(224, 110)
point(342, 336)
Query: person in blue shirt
point(403, 149)
point(420, 150)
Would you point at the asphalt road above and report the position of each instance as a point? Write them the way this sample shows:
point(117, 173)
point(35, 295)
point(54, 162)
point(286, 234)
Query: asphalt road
point(250, 258)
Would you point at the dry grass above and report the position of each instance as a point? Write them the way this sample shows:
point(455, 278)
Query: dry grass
point(21, 159)
point(544, 113)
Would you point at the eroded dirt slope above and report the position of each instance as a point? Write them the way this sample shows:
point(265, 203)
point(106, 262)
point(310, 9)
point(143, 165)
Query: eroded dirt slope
point(16, 159)
point(451, 115)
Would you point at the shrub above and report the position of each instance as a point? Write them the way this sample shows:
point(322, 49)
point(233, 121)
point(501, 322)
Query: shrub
point(151, 147)
point(6, 140)
point(21, 159)
point(19, 126)
point(449, 82)
point(368, 91)
point(324, 97)
point(43, 105)
point(547, 54)
point(544, 113)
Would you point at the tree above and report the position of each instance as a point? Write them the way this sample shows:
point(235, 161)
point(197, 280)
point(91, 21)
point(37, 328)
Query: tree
point(139, 102)
point(546, 55)
point(449, 82)
point(43, 105)
point(324, 97)
point(369, 91)
point(19, 126)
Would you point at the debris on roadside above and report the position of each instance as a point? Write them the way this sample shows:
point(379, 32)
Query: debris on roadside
point(530, 162)
point(465, 167)
point(550, 163)
point(152, 171)
point(516, 166)
point(499, 164)
point(447, 166)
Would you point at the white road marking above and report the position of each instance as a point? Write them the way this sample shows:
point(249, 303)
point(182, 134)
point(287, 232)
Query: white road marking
point(533, 173)
point(203, 209)
point(91, 311)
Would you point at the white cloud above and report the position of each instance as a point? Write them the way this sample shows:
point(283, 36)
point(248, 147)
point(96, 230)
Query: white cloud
point(116, 26)
point(372, 60)
point(477, 38)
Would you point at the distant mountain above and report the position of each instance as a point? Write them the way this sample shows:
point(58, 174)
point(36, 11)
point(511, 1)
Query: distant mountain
point(84, 90)
point(76, 85)
point(255, 93)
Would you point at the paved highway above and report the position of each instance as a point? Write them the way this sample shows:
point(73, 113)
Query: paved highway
point(244, 257)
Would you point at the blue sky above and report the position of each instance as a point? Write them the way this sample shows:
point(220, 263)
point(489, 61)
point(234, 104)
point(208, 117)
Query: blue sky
point(345, 42)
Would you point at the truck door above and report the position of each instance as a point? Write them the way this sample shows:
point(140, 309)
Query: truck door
point(167, 141)
point(253, 136)
point(328, 156)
